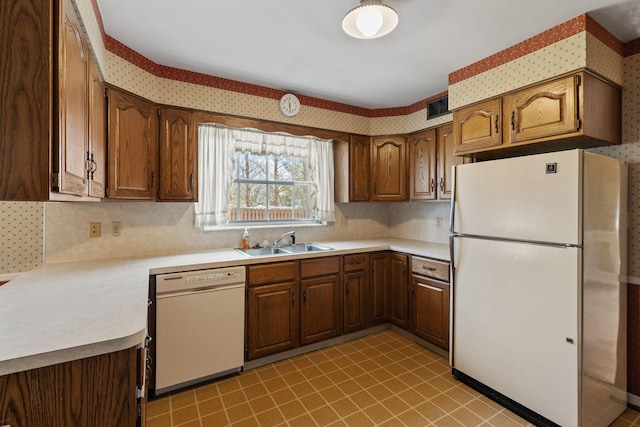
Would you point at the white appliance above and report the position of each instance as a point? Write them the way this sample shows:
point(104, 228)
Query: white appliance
point(199, 326)
point(539, 293)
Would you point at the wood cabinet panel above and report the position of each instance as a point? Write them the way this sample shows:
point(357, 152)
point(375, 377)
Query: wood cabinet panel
point(355, 285)
point(177, 154)
point(478, 126)
point(355, 262)
point(359, 168)
point(378, 289)
point(446, 161)
point(430, 310)
point(26, 99)
point(132, 142)
point(83, 392)
point(272, 319)
point(73, 107)
point(97, 133)
point(389, 168)
point(422, 175)
point(430, 267)
point(321, 309)
point(399, 290)
point(272, 273)
point(543, 110)
point(319, 267)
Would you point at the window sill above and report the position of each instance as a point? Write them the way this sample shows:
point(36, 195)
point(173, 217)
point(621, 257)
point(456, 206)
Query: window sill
point(257, 226)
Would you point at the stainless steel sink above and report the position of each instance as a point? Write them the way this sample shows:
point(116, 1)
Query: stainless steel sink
point(305, 247)
point(282, 250)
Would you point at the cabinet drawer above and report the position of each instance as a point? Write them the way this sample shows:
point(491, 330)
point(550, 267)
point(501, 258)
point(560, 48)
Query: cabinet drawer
point(430, 268)
point(272, 273)
point(319, 267)
point(355, 262)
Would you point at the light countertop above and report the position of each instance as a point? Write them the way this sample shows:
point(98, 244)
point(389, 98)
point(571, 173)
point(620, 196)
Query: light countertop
point(68, 311)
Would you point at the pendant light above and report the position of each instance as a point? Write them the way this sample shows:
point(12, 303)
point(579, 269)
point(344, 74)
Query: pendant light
point(369, 20)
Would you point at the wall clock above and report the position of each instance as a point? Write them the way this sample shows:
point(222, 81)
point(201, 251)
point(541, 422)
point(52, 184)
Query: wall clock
point(289, 105)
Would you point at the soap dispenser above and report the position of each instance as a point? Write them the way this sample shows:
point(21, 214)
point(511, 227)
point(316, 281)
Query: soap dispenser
point(245, 239)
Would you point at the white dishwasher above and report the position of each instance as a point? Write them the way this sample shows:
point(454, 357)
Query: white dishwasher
point(199, 326)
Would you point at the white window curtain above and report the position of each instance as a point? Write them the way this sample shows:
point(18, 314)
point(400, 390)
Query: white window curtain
point(216, 146)
point(215, 169)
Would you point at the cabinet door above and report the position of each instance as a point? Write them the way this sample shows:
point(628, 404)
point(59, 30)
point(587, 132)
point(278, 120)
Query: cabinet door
point(359, 168)
point(422, 175)
point(177, 155)
point(73, 107)
point(97, 133)
point(478, 126)
point(389, 168)
point(321, 309)
point(399, 290)
point(430, 310)
point(378, 300)
point(355, 300)
point(543, 110)
point(132, 142)
point(446, 161)
point(272, 319)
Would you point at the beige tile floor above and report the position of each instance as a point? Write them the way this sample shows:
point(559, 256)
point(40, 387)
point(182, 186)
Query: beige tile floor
point(383, 379)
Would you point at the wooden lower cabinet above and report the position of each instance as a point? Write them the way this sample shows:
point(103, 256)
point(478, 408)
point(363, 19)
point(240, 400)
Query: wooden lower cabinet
point(321, 307)
point(85, 392)
point(430, 310)
point(272, 324)
point(429, 300)
point(356, 292)
point(378, 299)
point(398, 290)
point(272, 308)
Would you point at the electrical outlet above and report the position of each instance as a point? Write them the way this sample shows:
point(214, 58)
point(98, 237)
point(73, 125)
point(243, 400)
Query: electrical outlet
point(116, 226)
point(438, 222)
point(94, 229)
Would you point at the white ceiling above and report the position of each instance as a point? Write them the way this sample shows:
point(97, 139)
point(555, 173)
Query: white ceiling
point(299, 45)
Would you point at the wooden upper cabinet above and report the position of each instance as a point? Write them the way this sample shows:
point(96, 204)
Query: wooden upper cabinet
point(73, 107)
point(446, 161)
point(543, 110)
point(422, 175)
point(578, 110)
point(359, 168)
point(478, 126)
point(389, 168)
point(132, 143)
point(97, 133)
point(177, 156)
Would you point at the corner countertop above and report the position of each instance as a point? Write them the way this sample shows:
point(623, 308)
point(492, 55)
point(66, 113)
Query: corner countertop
point(68, 311)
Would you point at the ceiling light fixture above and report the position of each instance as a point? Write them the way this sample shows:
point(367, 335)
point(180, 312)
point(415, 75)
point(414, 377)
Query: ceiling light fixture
point(369, 20)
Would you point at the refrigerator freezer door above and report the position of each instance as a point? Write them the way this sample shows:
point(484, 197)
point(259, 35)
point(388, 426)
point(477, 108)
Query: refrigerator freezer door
point(515, 322)
point(525, 198)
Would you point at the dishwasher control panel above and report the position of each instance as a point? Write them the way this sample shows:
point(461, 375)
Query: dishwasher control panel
point(200, 279)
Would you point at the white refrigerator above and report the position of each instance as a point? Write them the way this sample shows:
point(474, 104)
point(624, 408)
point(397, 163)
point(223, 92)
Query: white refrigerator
point(539, 285)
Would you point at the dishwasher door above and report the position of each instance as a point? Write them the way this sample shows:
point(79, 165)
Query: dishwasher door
point(199, 327)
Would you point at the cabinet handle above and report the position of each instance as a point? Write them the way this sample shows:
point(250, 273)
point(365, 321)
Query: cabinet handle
point(513, 120)
point(94, 166)
point(413, 289)
point(433, 186)
point(346, 288)
point(191, 182)
point(428, 268)
point(153, 179)
point(496, 124)
point(293, 299)
point(442, 184)
point(355, 263)
point(304, 298)
point(374, 187)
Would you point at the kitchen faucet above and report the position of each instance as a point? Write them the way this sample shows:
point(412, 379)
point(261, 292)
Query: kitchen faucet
point(289, 233)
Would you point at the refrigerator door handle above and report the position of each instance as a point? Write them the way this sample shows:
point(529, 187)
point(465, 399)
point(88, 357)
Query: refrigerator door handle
point(528, 242)
point(452, 211)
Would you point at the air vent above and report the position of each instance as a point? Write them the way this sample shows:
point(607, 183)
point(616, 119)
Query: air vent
point(438, 107)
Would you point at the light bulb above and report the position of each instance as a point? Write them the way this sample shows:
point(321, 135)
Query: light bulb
point(369, 21)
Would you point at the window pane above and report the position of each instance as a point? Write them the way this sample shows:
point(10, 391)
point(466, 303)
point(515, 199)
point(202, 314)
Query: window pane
point(298, 170)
